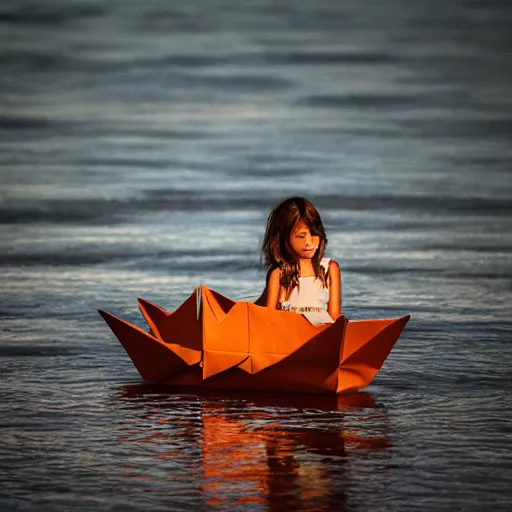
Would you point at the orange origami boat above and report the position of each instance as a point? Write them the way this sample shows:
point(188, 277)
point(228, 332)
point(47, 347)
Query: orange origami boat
point(213, 341)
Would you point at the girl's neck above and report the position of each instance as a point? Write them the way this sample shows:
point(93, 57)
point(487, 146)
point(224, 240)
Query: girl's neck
point(306, 267)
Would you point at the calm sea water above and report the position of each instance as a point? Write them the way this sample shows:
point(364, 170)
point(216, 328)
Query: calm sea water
point(142, 146)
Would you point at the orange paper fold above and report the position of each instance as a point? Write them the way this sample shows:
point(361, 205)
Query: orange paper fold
point(213, 341)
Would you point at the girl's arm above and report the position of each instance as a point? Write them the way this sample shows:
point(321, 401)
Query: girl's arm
point(334, 307)
point(273, 288)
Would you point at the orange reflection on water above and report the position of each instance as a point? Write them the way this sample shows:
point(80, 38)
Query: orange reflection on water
point(245, 456)
point(234, 460)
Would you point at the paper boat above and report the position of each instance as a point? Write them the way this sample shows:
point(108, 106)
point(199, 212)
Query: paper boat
point(213, 341)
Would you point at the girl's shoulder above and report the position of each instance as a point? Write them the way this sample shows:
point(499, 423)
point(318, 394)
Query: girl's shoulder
point(274, 274)
point(332, 269)
point(329, 264)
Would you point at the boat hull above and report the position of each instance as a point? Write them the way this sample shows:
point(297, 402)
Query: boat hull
point(212, 341)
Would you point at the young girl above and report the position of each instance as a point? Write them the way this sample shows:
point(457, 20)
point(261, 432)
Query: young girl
point(299, 278)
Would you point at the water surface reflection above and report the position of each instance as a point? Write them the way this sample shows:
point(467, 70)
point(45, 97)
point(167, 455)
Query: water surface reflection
point(266, 452)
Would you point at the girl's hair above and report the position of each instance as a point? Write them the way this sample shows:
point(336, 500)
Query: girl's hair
point(276, 248)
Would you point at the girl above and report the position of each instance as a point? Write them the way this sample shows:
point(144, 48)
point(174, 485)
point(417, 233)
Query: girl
point(299, 278)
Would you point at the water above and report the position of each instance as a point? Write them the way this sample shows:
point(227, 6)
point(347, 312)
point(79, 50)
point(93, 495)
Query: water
point(141, 149)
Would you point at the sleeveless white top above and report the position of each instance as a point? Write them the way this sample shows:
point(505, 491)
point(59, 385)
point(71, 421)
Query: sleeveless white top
point(310, 295)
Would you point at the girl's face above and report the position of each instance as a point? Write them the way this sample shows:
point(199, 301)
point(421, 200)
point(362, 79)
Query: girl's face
point(303, 244)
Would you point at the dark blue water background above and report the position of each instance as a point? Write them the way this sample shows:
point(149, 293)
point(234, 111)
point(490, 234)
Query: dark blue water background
point(142, 145)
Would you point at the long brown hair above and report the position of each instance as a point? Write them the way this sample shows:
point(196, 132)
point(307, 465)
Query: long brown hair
point(275, 246)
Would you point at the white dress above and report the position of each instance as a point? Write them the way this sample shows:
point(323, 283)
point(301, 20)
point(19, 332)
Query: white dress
point(310, 298)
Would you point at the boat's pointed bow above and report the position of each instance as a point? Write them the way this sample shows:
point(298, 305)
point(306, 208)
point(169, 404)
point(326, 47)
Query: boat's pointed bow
point(366, 345)
point(154, 360)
